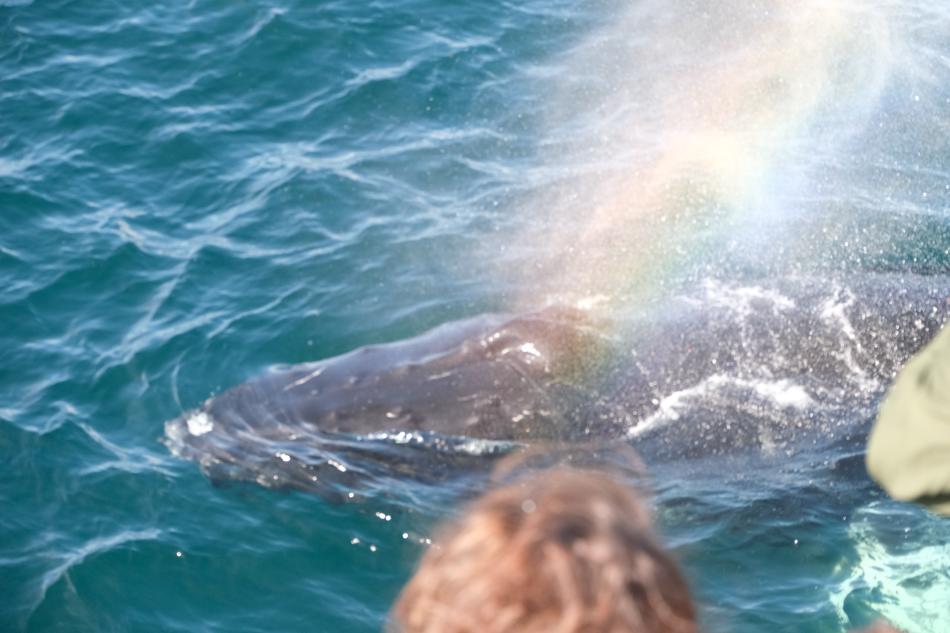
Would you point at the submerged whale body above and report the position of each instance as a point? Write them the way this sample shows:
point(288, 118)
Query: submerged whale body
point(723, 367)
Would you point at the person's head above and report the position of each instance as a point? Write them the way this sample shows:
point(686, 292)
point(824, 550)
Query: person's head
point(562, 552)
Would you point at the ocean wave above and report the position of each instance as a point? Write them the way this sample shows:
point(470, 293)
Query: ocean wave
point(905, 584)
point(76, 556)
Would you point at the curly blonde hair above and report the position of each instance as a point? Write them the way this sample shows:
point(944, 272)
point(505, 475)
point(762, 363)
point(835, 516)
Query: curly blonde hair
point(564, 552)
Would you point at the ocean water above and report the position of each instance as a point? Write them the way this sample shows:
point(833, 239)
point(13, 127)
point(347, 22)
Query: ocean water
point(192, 193)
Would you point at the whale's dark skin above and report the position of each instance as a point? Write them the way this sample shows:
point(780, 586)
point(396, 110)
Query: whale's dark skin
point(523, 378)
point(561, 375)
point(493, 377)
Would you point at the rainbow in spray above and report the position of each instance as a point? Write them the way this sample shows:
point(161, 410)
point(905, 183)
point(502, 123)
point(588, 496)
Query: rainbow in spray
point(711, 120)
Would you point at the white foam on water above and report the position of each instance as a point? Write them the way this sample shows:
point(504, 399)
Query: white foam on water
point(668, 408)
point(484, 447)
point(741, 298)
point(833, 312)
point(398, 437)
point(199, 423)
point(782, 393)
point(909, 589)
point(530, 349)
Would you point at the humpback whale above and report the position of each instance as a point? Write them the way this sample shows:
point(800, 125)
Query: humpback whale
point(719, 367)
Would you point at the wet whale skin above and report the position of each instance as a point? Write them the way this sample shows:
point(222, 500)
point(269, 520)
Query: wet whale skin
point(717, 369)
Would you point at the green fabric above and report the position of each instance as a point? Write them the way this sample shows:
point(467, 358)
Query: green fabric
point(909, 447)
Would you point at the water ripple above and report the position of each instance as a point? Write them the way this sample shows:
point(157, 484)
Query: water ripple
point(192, 192)
point(76, 556)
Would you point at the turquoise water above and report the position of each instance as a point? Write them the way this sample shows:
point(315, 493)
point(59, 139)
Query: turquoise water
point(194, 192)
